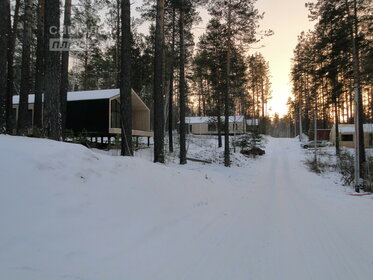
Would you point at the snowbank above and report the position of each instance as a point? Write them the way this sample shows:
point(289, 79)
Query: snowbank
point(69, 213)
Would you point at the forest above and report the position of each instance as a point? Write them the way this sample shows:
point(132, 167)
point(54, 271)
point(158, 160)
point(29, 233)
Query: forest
point(332, 70)
point(102, 45)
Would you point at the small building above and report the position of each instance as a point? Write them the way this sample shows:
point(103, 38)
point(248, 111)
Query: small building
point(252, 122)
point(98, 112)
point(209, 125)
point(347, 135)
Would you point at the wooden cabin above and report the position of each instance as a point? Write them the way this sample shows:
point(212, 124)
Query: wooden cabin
point(98, 112)
point(252, 123)
point(347, 135)
point(209, 125)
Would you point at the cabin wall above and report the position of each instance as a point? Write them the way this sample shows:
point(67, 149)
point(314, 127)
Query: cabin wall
point(368, 139)
point(88, 115)
point(203, 128)
point(198, 128)
point(141, 120)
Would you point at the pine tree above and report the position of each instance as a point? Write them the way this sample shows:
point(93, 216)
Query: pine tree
point(240, 20)
point(39, 68)
point(89, 38)
point(52, 105)
point(24, 120)
point(65, 64)
point(182, 89)
point(125, 81)
point(158, 85)
point(171, 81)
point(4, 37)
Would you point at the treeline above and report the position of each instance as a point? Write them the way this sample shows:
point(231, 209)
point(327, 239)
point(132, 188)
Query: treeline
point(332, 65)
point(171, 75)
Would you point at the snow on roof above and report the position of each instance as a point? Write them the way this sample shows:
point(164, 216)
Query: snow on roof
point(350, 128)
point(31, 99)
point(92, 94)
point(193, 120)
point(79, 95)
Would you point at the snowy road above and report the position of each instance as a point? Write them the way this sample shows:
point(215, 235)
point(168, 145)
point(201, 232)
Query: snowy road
point(86, 216)
point(287, 224)
point(292, 225)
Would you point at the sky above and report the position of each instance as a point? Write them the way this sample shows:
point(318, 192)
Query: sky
point(287, 18)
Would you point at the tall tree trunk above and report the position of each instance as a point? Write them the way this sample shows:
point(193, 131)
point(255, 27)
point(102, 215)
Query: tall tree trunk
point(117, 50)
point(227, 161)
point(220, 141)
point(354, 32)
point(336, 113)
point(158, 85)
point(182, 88)
point(263, 100)
point(39, 69)
point(10, 82)
point(52, 106)
point(356, 63)
point(65, 65)
point(171, 90)
point(23, 119)
point(85, 74)
point(4, 37)
point(125, 81)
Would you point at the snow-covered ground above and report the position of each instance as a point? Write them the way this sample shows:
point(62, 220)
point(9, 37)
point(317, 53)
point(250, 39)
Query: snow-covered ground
point(67, 212)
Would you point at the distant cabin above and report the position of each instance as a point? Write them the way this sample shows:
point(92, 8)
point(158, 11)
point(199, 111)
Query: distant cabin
point(347, 135)
point(209, 125)
point(252, 122)
point(97, 112)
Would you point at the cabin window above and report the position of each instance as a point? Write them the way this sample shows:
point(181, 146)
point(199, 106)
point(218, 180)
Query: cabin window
point(212, 127)
point(347, 138)
point(371, 139)
point(115, 114)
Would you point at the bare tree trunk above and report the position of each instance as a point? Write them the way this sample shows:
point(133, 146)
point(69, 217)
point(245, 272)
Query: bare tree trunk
point(117, 51)
point(10, 81)
point(204, 99)
point(182, 89)
point(125, 81)
point(65, 64)
point(52, 106)
point(263, 100)
point(85, 74)
point(158, 85)
point(4, 37)
point(227, 161)
point(220, 140)
point(39, 70)
point(23, 119)
point(171, 89)
point(355, 47)
point(336, 113)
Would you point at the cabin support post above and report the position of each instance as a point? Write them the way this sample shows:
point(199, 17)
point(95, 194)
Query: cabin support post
point(148, 141)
